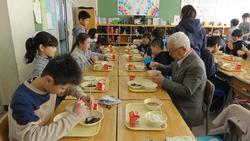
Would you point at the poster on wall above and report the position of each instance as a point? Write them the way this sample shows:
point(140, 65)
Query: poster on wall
point(139, 7)
point(51, 14)
point(37, 11)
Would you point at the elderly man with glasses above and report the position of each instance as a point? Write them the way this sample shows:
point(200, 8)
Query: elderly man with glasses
point(188, 79)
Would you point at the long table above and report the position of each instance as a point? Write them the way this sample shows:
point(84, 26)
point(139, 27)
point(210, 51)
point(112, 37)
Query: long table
point(112, 127)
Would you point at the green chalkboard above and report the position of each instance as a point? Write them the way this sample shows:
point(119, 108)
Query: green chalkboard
point(168, 8)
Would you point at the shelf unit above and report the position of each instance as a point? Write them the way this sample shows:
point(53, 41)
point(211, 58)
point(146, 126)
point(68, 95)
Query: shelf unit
point(123, 34)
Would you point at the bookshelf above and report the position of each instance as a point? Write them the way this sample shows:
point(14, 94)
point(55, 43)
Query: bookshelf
point(123, 34)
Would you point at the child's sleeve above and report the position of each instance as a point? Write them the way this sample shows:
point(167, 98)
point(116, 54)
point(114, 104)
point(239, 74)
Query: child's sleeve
point(51, 132)
point(75, 91)
point(25, 125)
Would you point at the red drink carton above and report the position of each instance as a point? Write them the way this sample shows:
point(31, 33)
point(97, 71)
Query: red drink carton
point(132, 77)
point(238, 66)
point(129, 57)
point(106, 67)
point(113, 56)
point(101, 85)
point(130, 66)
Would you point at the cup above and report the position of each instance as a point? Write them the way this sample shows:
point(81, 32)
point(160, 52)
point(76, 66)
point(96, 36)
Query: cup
point(238, 66)
point(106, 67)
point(132, 77)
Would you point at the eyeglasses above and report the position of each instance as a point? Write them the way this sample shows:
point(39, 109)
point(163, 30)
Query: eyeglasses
point(173, 50)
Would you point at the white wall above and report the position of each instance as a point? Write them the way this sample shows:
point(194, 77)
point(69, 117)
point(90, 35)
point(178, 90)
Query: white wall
point(86, 3)
point(17, 24)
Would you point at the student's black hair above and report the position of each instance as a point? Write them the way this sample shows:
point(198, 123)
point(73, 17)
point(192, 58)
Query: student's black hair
point(157, 33)
point(92, 33)
point(220, 30)
point(235, 22)
point(81, 38)
point(32, 44)
point(213, 40)
point(146, 35)
point(83, 15)
point(64, 70)
point(188, 11)
point(157, 42)
point(246, 15)
point(237, 33)
point(102, 41)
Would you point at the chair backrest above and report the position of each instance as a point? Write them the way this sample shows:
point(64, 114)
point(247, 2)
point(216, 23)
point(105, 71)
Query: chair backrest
point(208, 96)
point(4, 128)
point(241, 88)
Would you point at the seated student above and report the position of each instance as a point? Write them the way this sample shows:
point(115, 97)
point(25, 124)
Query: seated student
point(159, 34)
point(158, 55)
point(83, 18)
point(187, 86)
point(81, 53)
point(221, 86)
point(144, 48)
point(40, 49)
point(218, 32)
point(93, 34)
point(101, 43)
point(33, 103)
point(238, 44)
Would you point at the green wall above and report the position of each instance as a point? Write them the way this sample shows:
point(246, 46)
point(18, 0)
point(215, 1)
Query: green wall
point(168, 8)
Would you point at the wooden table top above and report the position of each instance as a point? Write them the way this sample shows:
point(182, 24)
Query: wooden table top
point(245, 74)
point(125, 94)
point(176, 125)
point(124, 72)
point(113, 72)
point(107, 130)
point(112, 90)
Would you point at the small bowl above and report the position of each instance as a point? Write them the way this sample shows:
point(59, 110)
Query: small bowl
point(156, 118)
point(153, 72)
point(149, 85)
point(139, 67)
point(91, 113)
point(153, 104)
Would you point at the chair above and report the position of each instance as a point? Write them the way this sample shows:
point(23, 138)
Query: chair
point(241, 88)
point(208, 97)
point(235, 132)
point(4, 128)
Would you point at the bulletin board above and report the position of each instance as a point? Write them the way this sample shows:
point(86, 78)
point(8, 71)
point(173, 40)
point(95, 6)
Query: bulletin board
point(48, 10)
point(139, 7)
point(219, 10)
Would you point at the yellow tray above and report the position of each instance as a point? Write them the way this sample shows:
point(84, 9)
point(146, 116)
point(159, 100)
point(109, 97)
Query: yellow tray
point(142, 90)
point(141, 108)
point(229, 59)
point(231, 70)
point(98, 91)
point(80, 130)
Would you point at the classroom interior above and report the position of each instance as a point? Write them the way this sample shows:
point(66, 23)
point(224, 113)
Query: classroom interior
point(138, 42)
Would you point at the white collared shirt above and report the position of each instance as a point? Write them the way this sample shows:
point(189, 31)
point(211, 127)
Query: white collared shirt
point(180, 61)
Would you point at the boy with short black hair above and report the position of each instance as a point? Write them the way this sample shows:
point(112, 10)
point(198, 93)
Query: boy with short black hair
point(212, 67)
point(144, 48)
point(233, 25)
point(34, 102)
point(239, 45)
point(83, 18)
point(158, 55)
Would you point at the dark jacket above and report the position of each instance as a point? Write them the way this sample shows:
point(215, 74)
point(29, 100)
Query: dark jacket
point(211, 67)
point(237, 46)
point(195, 32)
point(186, 88)
point(146, 49)
point(162, 58)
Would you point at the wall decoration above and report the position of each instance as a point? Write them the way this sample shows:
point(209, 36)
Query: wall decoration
point(139, 7)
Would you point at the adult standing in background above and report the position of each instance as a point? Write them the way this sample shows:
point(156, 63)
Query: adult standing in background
point(192, 28)
point(245, 26)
